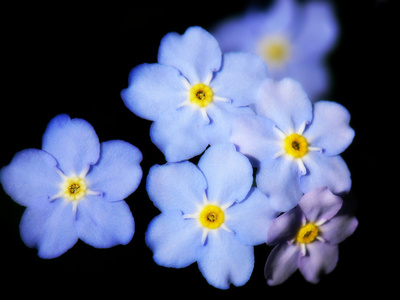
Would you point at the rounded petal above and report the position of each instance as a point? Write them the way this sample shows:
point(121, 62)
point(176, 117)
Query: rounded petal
point(330, 128)
point(73, 143)
point(255, 137)
point(31, 178)
point(153, 88)
point(173, 239)
point(104, 224)
point(117, 174)
point(281, 263)
point(240, 77)
point(285, 103)
point(322, 170)
point(49, 228)
point(321, 258)
point(196, 53)
point(179, 186)
point(320, 205)
point(338, 228)
point(179, 133)
point(229, 173)
point(285, 227)
point(251, 218)
point(224, 260)
point(279, 179)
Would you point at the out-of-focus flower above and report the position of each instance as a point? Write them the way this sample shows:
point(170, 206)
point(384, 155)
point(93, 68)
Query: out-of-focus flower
point(297, 143)
point(294, 40)
point(307, 237)
point(74, 188)
point(193, 92)
point(210, 214)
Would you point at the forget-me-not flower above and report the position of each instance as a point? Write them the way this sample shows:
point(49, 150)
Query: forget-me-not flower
point(74, 188)
point(293, 39)
point(210, 214)
point(307, 237)
point(193, 92)
point(296, 144)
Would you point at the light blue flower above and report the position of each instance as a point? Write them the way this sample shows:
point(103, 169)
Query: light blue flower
point(73, 188)
point(293, 39)
point(210, 214)
point(295, 144)
point(193, 92)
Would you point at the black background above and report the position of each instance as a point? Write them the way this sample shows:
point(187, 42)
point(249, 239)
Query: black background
point(75, 59)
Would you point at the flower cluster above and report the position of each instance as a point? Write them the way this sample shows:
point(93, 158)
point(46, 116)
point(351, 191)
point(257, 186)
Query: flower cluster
point(269, 167)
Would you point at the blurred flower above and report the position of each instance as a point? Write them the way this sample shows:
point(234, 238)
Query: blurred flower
point(296, 144)
point(307, 237)
point(193, 92)
point(294, 40)
point(210, 214)
point(73, 188)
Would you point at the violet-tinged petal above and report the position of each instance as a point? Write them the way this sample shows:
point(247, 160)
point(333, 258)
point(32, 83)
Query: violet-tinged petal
point(49, 228)
point(281, 263)
point(320, 205)
point(321, 258)
point(196, 54)
point(285, 227)
point(338, 228)
point(73, 143)
point(31, 178)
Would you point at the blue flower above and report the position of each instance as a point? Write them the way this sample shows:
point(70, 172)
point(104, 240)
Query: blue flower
point(193, 92)
point(73, 188)
point(296, 144)
point(307, 237)
point(294, 40)
point(210, 214)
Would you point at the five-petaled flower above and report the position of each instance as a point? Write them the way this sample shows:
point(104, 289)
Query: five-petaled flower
point(210, 214)
point(74, 188)
point(307, 237)
point(193, 92)
point(295, 144)
point(293, 39)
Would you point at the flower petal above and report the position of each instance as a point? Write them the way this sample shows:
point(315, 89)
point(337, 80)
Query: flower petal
point(285, 103)
point(104, 224)
point(31, 178)
point(196, 54)
point(173, 239)
point(179, 133)
point(117, 174)
point(281, 263)
point(338, 228)
point(224, 260)
point(176, 186)
point(330, 128)
point(321, 258)
point(279, 179)
point(251, 218)
point(229, 173)
point(73, 143)
point(285, 227)
point(49, 228)
point(255, 137)
point(153, 88)
point(320, 204)
point(322, 170)
point(240, 77)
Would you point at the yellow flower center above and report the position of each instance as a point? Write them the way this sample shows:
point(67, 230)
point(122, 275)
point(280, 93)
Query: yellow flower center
point(212, 216)
point(201, 95)
point(275, 50)
point(296, 145)
point(74, 188)
point(307, 233)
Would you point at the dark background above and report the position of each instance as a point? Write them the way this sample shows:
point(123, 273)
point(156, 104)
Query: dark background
point(75, 59)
